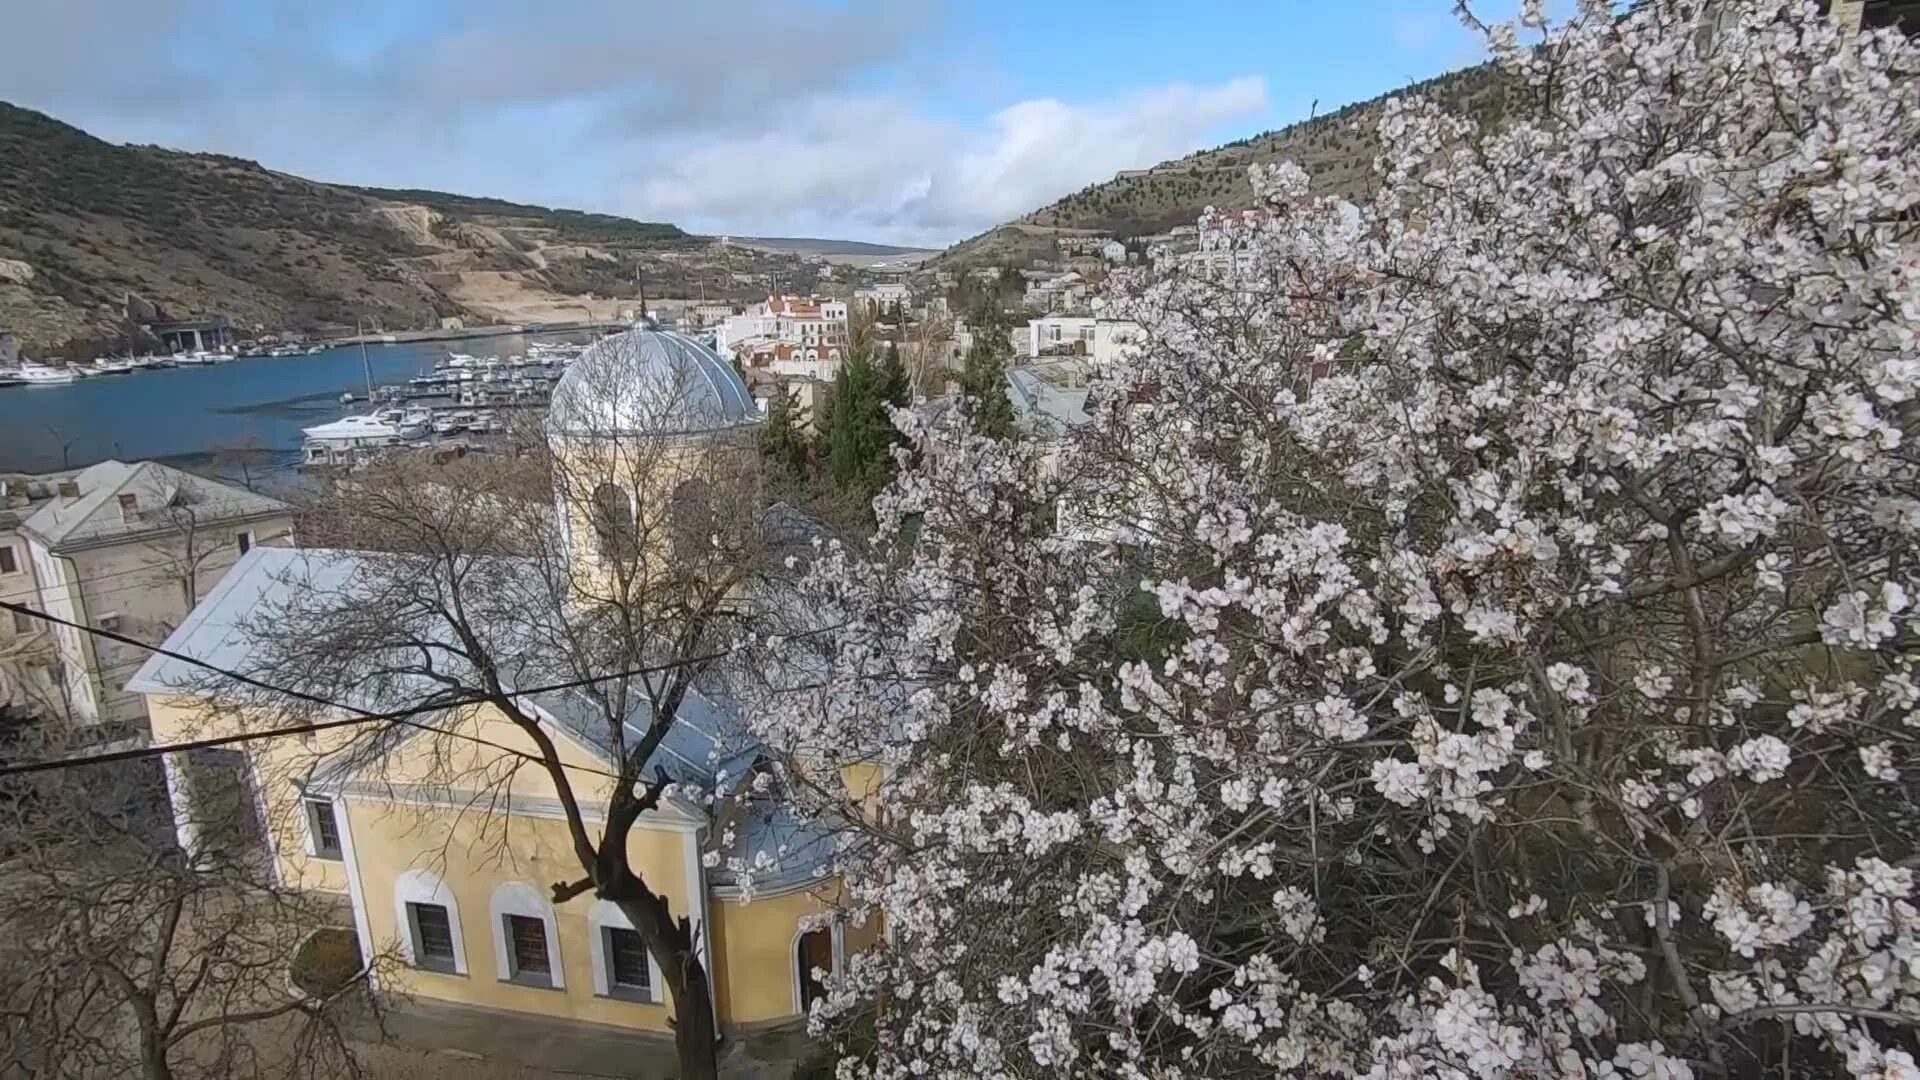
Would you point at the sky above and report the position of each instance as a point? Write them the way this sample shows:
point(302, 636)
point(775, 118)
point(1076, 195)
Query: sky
point(916, 122)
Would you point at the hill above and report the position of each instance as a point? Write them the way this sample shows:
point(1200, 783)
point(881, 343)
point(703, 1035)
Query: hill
point(805, 245)
point(1336, 149)
point(91, 231)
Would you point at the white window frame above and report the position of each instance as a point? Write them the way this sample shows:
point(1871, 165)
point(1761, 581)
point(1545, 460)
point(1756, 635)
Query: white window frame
point(837, 931)
point(603, 916)
point(309, 806)
point(244, 540)
point(425, 887)
point(520, 898)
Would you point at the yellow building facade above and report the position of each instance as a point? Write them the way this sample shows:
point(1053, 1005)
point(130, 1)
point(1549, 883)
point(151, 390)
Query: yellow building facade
point(446, 844)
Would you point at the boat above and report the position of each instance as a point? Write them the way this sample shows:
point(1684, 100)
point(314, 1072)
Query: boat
point(316, 349)
point(33, 374)
point(346, 398)
point(448, 425)
point(114, 365)
point(192, 359)
point(350, 438)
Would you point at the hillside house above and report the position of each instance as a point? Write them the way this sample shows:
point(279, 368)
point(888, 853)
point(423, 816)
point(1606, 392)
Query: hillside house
point(129, 548)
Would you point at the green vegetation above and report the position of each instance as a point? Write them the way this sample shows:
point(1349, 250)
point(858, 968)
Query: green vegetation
point(983, 383)
point(784, 447)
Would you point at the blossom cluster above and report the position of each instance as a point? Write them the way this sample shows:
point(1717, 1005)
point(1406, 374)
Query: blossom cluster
point(1471, 639)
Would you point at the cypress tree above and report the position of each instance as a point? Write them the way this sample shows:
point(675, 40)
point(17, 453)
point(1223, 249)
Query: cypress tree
point(983, 380)
point(783, 446)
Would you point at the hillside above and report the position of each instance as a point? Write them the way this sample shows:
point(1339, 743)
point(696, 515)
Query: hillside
point(1335, 148)
point(90, 230)
point(808, 245)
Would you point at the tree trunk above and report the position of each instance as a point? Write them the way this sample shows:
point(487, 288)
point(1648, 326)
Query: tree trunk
point(696, 1030)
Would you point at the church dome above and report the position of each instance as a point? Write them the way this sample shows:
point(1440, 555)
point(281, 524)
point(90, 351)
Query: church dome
point(649, 382)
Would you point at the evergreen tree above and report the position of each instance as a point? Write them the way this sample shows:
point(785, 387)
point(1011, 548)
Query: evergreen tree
point(895, 387)
point(857, 435)
point(783, 446)
point(983, 379)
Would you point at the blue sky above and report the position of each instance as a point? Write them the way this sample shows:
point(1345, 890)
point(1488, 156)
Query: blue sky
point(912, 121)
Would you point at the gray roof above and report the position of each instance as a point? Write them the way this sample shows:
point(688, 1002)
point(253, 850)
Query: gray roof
point(649, 382)
point(709, 746)
point(164, 498)
point(1043, 407)
point(215, 631)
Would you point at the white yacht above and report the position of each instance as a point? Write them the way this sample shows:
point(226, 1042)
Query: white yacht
point(347, 439)
point(41, 375)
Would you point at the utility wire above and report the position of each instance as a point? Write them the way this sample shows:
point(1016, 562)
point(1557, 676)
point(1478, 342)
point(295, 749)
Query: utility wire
point(399, 716)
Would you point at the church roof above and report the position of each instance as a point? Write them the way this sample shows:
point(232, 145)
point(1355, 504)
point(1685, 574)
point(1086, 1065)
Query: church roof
point(649, 382)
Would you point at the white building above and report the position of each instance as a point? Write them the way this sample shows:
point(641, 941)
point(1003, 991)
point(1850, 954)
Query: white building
point(1055, 335)
point(813, 329)
point(885, 295)
point(124, 548)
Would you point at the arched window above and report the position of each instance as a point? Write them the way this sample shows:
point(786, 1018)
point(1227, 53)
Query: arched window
point(428, 918)
point(692, 519)
point(613, 522)
point(816, 953)
point(526, 943)
point(622, 966)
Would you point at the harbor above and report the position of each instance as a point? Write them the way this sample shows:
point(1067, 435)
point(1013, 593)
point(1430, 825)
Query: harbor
point(199, 412)
point(464, 403)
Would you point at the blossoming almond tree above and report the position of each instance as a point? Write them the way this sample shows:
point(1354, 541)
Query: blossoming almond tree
point(1471, 640)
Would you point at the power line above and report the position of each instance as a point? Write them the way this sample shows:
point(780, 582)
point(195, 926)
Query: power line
point(399, 716)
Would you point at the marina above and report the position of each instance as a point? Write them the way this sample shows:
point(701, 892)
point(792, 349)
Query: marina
point(197, 410)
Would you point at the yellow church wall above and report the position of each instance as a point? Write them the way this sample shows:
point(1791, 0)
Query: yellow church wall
point(754, 953)
point(481, 749)
point(279, 768)
point(474, 853)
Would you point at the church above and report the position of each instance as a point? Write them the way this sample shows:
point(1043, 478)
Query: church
point(448, 871)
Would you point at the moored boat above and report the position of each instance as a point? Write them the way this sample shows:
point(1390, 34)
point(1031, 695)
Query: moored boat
point(33, 374)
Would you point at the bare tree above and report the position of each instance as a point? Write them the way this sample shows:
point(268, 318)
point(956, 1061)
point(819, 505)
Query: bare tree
point(119, 958)
point(616, 551)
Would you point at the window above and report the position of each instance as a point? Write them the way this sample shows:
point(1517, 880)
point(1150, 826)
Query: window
point(432, 928)
point(527, 949)
point(322, 829)
point(110, 622)
point(243, 540)
point(613, 523)
point(628, 974)
point(9, 560)
point(429, 914)
point(622, 968)
point(24, 623)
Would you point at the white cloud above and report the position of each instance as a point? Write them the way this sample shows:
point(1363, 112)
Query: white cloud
point(874, 168)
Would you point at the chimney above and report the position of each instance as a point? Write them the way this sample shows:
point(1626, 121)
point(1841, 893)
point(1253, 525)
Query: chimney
point(13, 493)
point(129, 507)
point(68, 489)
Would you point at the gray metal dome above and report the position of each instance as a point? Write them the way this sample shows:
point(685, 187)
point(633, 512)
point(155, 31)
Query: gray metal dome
point(649, 382)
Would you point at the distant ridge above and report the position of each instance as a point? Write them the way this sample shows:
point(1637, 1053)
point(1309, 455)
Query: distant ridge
point(1335, 148)
point(98, 238)
point(812, 246)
